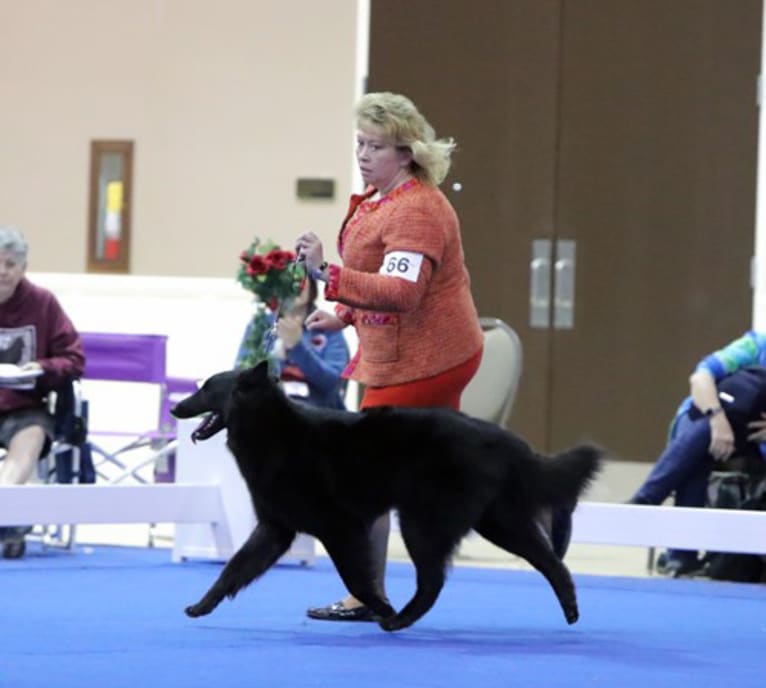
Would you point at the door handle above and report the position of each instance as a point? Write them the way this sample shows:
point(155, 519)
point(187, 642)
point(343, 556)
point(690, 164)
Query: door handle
point(564, 281)
point(540, 284)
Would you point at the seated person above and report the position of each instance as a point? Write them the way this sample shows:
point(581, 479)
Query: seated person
point(36, 335)
point(310, 363)
point(726, 412)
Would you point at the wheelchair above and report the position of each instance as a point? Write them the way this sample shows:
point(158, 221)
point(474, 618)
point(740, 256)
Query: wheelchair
point(733, 484)
point(67, 459)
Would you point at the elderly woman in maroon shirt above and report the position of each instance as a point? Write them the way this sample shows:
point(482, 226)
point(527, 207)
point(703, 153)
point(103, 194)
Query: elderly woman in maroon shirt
point(37, 336)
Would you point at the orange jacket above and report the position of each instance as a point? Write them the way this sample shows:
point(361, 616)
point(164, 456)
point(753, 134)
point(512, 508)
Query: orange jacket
point(408, 330)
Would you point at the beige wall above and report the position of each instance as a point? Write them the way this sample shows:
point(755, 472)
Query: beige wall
point(228, 102)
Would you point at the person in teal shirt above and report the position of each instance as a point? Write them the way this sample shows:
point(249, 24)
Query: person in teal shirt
point(725, 412)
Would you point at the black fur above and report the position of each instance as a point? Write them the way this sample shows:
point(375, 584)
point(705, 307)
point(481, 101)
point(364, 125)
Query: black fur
point(332, 473)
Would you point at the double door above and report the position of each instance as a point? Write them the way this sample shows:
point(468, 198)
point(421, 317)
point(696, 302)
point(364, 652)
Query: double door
point(605, 182)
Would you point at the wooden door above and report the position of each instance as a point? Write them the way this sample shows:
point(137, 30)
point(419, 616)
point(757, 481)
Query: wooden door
point(656, 183)
point(627, 128)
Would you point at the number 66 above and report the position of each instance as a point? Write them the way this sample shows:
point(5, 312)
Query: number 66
point(397, 265)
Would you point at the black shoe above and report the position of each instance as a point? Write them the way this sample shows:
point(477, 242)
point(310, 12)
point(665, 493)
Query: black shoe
point(337, 612)
point(14, 545)
point(675, 567)
point(14, 549)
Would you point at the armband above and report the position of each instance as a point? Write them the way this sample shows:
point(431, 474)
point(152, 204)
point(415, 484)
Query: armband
point(404, 264)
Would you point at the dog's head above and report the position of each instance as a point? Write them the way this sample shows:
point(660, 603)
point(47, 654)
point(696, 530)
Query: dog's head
point(216, 396)
point(212, 400)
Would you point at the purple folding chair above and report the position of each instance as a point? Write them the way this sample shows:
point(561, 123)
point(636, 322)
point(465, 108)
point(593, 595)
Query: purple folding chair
point(176, 389)
point(127, 358)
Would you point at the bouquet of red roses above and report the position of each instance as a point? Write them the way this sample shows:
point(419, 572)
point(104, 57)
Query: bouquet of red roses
point(275, 279)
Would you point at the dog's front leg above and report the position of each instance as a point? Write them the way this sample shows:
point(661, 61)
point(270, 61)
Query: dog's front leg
point(262, 549)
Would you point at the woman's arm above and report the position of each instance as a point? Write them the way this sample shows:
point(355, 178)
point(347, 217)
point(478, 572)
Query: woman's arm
point(322, 368)
point(704, 393)
point(742, 352)
point(378, 292)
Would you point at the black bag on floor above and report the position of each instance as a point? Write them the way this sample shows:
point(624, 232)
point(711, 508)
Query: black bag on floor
point(741, 568)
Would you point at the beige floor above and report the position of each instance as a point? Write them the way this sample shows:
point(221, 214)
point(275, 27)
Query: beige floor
point(616, 483)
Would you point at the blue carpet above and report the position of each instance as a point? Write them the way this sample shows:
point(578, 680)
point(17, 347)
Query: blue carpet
point(114, 618)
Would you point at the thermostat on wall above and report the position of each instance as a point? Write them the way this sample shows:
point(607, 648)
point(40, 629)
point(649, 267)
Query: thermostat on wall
point(315, 188)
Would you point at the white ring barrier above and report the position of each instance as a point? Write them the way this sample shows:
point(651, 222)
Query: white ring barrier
point(76, 504)
point(172, 503)
point(720, 530)
point(712, 530)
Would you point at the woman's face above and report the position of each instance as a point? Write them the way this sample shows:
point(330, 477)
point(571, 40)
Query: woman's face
point(380, 161)
point(12, 269)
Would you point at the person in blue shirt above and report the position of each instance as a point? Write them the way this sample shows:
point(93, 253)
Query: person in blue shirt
point(309, 363)
point(725, 412)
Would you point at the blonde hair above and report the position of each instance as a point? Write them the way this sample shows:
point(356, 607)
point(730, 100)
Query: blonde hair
point(396, 117)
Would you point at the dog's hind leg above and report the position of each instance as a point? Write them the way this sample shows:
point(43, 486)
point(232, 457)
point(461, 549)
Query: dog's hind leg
point(351, 552)
point(265, 545)
point(430, 553)
point(529, 541)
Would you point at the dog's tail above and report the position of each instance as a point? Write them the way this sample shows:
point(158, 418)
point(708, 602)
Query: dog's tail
point(566, 476)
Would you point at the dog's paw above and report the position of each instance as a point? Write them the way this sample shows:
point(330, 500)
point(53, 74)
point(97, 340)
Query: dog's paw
point(195, 610)
point(571, 613)
point(393, 623)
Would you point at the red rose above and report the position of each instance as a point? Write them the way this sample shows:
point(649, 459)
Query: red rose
point(257, 266)
point(277, 259)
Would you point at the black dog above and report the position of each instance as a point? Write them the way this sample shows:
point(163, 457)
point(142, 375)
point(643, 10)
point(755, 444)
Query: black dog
point(332, 473)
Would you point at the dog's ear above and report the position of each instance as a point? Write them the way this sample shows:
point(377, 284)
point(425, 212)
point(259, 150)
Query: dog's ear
point(256, 375)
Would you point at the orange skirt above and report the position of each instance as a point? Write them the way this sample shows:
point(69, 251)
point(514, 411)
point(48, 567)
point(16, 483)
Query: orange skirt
point(441, 390)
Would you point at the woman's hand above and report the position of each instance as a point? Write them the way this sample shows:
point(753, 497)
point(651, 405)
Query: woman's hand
point(322, 320)
point(309, 250)
point(704, 393)
point(721, 437)
point(759, 429)
point(290, 330)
